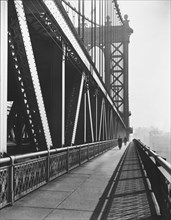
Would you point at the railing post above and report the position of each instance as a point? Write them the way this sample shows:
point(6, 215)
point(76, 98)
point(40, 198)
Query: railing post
point(48, 167)
point(88, 153)
point(79, 155)
point(100, 148)
point(12, 181)
point(67, 159)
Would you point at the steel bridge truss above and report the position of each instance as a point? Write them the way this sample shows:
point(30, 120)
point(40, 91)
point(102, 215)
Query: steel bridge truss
point(55, 95)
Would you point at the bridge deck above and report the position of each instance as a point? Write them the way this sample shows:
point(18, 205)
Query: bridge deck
point(107, 187)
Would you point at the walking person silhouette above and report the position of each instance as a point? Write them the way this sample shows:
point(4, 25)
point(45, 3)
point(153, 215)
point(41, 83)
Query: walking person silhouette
point(119, 142)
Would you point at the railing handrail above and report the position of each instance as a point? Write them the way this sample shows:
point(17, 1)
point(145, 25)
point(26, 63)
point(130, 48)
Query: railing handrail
point(46, 152)
point(20, 177)
point(166, 165)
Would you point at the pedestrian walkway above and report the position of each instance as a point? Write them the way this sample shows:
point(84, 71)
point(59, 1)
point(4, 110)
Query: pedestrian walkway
point(128, 194)
point(95, 190)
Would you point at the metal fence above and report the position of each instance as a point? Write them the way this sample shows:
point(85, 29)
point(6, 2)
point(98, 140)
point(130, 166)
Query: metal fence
point(161, 186)
point(22, 174)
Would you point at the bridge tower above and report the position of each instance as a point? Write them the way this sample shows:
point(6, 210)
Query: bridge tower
point(115, 50)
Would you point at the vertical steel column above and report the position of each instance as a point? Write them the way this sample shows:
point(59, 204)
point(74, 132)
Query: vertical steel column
point(85, 116)
point(102, 36)
point(110, 123)
point(83, 20)
point(107, 53)
point(90, 114)
point(3, 74)
point(126, 107)
point(107, 124)
point(92, 30)
point(96, 113)
point(63, 92)
point(78, 109)
point(127, 32)
point(79, 21)
point(101, 118)
point(95, 32)
point(112, 128)
point(105, 121)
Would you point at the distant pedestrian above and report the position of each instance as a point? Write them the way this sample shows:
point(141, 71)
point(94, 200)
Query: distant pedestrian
point(125, 140)
point(119, 142)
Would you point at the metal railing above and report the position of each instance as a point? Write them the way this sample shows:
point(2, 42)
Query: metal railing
point(161, 185)
point(22, 174)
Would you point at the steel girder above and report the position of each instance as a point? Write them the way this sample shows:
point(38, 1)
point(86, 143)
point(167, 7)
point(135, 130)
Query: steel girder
point(59, 101)
point(117, 75)
point(24, 69)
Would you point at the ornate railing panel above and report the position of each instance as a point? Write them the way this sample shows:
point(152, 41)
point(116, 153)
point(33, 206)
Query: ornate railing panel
point(91, 151)
point(29, 176)
point(74, 158)
point(84, 154)
point(22, 174)
point(57, 165)
point(4, 186)
point(96, 150)
point(100, 148)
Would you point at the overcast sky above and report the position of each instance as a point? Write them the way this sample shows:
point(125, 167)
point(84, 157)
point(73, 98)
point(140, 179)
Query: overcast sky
point(149, 62)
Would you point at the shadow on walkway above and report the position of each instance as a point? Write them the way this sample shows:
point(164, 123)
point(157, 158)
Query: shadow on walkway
point(126, 195)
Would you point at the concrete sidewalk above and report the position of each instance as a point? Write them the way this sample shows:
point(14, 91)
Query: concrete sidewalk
point(71, 196)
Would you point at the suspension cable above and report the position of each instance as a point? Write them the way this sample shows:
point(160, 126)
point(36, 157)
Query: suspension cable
point(77, 12)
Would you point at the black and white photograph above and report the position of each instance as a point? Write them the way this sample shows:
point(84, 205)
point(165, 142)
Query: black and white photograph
point(85, 113)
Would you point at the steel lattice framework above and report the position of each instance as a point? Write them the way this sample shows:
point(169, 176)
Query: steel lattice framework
point(64, 93)
point(64, 74)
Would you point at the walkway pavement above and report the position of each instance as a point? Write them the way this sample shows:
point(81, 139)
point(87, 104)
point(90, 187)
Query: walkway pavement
point(72, 196)
point(128, 194)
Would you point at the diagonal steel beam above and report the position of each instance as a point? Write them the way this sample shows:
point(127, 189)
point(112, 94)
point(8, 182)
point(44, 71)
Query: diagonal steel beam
point(101, 117)
point(90, 114)
point(56, 10)
point(33, 70)
point(78, 109)
point(105, 121)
